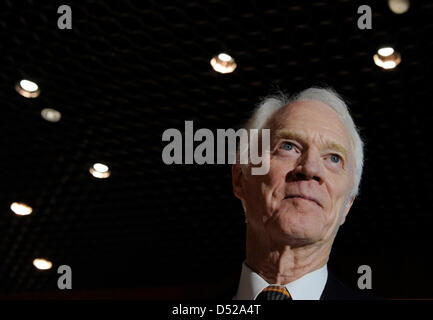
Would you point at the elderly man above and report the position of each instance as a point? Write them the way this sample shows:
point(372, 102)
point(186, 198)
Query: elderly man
point(294, 211)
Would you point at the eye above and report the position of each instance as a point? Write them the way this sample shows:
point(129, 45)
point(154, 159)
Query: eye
point(335, 158)
point(287, 146)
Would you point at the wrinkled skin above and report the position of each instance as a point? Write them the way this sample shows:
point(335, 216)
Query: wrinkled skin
point(295, 210)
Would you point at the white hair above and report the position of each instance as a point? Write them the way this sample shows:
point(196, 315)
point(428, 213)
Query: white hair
point(271, 104)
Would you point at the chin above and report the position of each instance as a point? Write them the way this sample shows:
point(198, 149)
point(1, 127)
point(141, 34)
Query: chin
point(299, 229)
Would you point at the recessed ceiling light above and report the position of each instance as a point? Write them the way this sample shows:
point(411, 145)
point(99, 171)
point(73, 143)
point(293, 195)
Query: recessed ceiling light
point(387, 51)
point(42, 264)
point(27, 89)
point(51, 115)
point(223, 63)
point(387, 58)
point(100, 171)
point(398, 6)
point(21, 209)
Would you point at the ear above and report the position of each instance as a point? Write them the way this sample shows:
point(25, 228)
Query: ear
point(237, 181)
point(347, 208)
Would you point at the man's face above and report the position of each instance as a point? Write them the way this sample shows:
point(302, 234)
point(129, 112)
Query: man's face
point(304, 198)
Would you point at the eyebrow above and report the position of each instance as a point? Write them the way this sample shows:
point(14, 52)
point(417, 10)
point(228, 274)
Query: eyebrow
point(286, 134)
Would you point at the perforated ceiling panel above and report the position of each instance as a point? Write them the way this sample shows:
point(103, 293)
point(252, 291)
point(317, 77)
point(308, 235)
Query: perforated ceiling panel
point(128, 70)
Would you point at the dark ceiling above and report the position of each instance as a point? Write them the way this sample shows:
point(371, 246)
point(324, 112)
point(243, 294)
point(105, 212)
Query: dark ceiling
point(128, 70)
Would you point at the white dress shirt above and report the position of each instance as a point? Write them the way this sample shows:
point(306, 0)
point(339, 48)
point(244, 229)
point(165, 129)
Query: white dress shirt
point(308, 287)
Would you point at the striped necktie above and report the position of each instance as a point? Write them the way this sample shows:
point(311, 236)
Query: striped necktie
point(274, 293)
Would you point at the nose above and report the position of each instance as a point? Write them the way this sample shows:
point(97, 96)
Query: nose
point(309, 167)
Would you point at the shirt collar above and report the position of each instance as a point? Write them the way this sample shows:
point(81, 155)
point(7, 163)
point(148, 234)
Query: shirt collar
point(308, 287)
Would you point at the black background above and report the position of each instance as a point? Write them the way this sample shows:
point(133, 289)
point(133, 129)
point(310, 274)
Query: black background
point(128, 70)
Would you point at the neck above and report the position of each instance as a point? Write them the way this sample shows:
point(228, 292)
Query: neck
point(281, 263)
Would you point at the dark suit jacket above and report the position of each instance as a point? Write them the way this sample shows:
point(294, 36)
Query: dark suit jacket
point(336, 290)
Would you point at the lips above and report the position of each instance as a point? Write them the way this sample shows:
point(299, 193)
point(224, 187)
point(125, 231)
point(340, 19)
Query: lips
point(291, 196)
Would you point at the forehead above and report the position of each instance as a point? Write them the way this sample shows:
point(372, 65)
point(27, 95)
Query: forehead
point(310, 118)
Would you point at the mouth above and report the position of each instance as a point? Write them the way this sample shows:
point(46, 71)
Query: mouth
point(293, 196)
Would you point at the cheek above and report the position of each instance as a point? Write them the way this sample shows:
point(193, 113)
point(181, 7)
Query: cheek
point(267, 190)
point(274, 187)
point(338, 193)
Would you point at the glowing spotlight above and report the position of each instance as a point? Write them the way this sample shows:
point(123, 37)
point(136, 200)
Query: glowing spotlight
point(385, 52)
point(51, 115)
point(42, 264)
point(223, 63)
point(100, 171)
point(27, 89)
point(387, 58)
point(398, 6)
point(21, 209)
